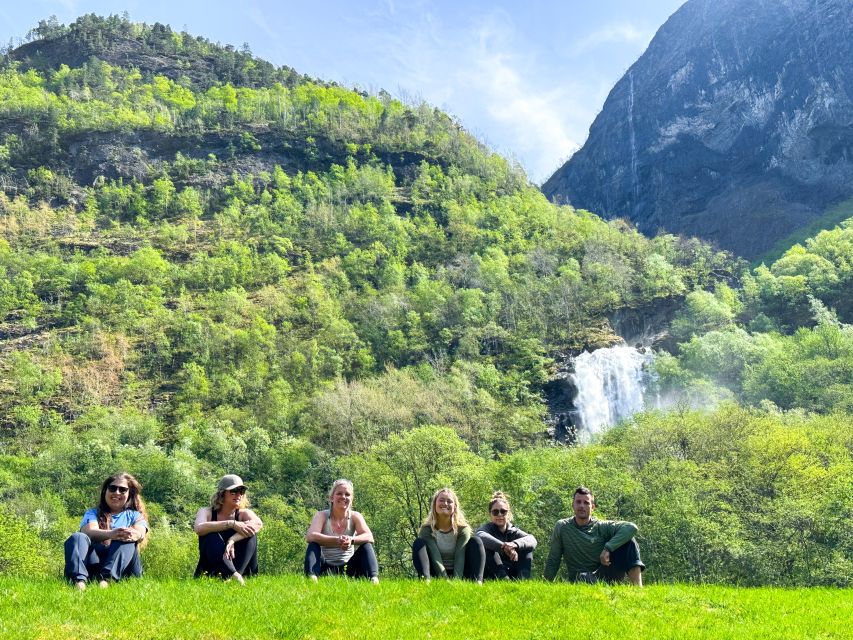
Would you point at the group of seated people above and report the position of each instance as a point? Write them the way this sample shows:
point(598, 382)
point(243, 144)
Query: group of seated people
point(111, 536)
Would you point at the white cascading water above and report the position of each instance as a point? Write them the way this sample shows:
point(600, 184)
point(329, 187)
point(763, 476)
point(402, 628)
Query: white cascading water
point(610, 387)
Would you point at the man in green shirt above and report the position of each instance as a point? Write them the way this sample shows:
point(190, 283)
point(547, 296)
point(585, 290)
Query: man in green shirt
point(594, 549)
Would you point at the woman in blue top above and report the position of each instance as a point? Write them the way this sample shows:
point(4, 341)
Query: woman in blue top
point(111, 535)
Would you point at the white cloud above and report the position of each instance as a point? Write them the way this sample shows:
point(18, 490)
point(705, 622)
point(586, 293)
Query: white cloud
point(609, 34)
point(539, 124)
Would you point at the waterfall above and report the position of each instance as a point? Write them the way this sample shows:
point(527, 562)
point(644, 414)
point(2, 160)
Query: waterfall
point(610, 387)
point(633, 138)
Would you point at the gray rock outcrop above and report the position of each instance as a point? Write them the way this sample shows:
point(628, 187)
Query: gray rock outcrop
point(736, 125)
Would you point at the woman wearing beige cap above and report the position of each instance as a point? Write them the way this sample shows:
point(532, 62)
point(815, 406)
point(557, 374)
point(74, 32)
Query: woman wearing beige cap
point(227, 544)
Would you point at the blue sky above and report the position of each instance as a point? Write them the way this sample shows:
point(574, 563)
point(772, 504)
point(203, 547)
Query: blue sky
point(527, 78)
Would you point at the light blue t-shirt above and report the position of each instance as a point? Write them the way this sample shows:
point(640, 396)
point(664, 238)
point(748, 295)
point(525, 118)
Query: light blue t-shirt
point(126, 518)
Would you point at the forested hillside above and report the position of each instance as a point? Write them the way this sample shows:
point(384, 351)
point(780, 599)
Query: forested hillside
point(209, 265)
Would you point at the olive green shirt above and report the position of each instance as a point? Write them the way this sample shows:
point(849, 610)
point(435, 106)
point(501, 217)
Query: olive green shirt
point(437, 568)
point(581, 547)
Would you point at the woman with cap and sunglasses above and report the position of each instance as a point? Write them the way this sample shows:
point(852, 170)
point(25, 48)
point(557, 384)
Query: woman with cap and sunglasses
point(111, 535)
point(509, 550)
point(339, 540)
point(227, 544)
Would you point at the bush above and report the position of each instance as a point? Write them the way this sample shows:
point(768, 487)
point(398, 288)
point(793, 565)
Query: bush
point(171, 552)
point(22, 552)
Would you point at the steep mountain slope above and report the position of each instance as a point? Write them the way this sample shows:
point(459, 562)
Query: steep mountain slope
point(253, 256)
point(736, 125)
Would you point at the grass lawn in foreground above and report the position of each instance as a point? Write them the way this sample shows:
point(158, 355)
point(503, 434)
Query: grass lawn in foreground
point(335, 608)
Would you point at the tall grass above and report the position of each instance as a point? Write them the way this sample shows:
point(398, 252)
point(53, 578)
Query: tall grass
point(335, 608)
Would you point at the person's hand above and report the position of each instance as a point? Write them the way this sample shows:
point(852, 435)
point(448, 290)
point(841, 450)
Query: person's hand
point(605, 558)
point(510, 550)
point(125, 534)
point(229, 550)
point(245, 529)
point(344, 542)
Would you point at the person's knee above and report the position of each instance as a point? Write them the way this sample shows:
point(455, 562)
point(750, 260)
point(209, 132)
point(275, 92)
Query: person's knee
point(76, 538)
point(475, 547)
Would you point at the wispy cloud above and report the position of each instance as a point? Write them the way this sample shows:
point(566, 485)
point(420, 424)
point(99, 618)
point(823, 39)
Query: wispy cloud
point(609, 34)
point(536, 122)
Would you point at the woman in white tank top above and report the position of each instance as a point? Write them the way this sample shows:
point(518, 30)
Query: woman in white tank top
point(339, 540)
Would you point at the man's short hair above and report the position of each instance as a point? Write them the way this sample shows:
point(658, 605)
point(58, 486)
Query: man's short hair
point(584, 492)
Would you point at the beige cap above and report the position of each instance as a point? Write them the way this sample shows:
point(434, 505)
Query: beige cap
point(230, 481)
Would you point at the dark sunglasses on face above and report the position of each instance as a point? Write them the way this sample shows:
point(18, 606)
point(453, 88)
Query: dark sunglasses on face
point(499, 512)
point(114, 488)
point(239, 491)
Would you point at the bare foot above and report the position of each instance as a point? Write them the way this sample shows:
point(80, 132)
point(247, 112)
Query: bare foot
point(239, 578)
point(313, 578)
point(103, 584)
point(80, 585)
point(375, 579)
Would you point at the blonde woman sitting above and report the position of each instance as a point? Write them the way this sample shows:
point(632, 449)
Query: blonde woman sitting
point(446, 546)
point(227, 541)
point(339, 540)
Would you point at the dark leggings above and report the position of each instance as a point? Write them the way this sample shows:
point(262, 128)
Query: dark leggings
point(211, 551)
point(363, 563)
point(475, 559)
point(500, 567)
point(85, 558)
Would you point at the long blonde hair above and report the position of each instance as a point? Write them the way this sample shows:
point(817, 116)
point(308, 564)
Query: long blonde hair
point(457, 518)
point(218, 498)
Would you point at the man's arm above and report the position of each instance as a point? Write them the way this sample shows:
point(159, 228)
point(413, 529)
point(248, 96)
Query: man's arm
point(617, 533)
point(555, 553)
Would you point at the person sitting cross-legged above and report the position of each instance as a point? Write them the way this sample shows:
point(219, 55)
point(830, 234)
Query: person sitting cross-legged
point(339, 540)
point(446, 546)
point(227, 533)
point(509, 550)
point(594, 549)
point(111, 535)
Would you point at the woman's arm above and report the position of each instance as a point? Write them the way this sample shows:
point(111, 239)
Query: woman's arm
point(363, 533)
point(96, 534)
point(521, 540)
point(462, 538)
point(437, 568)
point(489, 541)
point(315, 534)
point(251, 520)
point(204, 525)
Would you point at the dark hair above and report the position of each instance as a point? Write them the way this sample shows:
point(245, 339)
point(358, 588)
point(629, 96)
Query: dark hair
point(500, 496)
point(584, 492)
point(134, 501)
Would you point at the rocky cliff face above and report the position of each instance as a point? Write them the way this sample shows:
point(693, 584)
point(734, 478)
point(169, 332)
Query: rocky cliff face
point(736, 125)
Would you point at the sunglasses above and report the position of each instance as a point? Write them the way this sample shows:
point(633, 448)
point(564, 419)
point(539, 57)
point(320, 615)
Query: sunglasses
point(114, 488)
point(499, 512)
point(239, 491)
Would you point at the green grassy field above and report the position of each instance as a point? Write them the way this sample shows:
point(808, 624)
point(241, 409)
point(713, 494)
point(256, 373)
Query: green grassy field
point(291, 607)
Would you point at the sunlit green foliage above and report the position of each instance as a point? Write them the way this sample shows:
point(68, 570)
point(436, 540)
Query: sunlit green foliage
point(242, 270)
